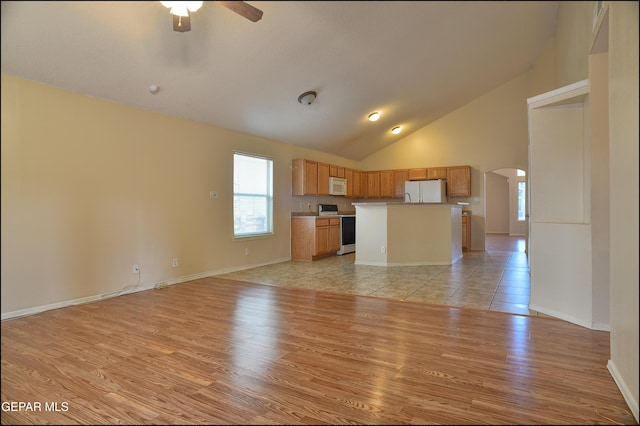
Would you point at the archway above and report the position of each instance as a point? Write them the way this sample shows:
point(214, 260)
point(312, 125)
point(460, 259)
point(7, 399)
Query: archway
point(506, 209)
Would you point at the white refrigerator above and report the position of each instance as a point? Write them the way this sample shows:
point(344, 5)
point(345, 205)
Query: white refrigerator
point(425, 191)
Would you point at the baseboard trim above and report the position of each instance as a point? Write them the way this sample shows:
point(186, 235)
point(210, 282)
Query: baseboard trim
point(561, 316)
point(131, 289)
point(624, 389)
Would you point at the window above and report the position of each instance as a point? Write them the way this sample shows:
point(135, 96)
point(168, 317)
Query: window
point(252, 195)
point(522, 195)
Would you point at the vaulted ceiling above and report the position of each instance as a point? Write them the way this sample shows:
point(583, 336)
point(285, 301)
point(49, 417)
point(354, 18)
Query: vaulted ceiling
point(412, 61)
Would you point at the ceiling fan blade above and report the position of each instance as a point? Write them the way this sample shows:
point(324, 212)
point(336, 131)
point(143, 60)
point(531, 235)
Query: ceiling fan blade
point(181, 23)
point(241, 8)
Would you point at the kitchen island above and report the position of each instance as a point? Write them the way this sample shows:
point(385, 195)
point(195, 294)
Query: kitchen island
point(406, 234)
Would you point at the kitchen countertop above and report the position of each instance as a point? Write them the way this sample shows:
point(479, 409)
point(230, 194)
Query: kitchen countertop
point(402, 203)
point(312, 214)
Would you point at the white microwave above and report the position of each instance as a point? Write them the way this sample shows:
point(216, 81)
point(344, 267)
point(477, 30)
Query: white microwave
point(337, 186)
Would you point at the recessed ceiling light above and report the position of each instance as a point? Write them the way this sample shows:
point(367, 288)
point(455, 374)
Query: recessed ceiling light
point(396, 130)
point(374, 116)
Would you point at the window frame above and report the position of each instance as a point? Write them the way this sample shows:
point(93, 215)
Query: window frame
point(522, 218)
point(269, 196)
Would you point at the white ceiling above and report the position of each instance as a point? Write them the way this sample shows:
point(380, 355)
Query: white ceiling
point(413, 61)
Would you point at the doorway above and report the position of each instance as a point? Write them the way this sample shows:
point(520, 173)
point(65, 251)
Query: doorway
point(506, 205)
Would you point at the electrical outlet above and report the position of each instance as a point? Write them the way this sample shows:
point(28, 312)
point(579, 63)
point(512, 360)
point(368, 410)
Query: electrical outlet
point(309, 206)
point(136, 269)
point(246, 252)
point(174, 262)
point(213, 194)
point(383, 249)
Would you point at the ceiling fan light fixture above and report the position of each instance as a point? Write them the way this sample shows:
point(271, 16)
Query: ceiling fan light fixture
point(374, 116)
point(396, 130)
point(179, 11)
point(182, 8)
point(307, 98)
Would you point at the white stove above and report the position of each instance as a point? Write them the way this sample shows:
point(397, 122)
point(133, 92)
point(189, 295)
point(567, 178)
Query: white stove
point(347, 227)
point(327, 210)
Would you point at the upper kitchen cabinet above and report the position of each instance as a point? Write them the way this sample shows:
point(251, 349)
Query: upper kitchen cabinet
point(418, 174)
point(323, 178)
point(399, 178)
point(372, 184)
point(459, 181)
point(387, 187)
point(337, 171)
point(305, 177)
point(357, 184)
point(436, 173)
point(353, 182)
point(348, 175)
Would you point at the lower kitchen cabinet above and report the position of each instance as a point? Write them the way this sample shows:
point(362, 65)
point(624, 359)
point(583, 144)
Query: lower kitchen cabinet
point(466, 231)
point(314, 237)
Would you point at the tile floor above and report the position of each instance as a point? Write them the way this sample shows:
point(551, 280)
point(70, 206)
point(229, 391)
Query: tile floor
point(496, 279)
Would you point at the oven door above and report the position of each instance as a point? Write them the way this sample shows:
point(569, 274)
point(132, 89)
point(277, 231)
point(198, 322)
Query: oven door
point(347, 234)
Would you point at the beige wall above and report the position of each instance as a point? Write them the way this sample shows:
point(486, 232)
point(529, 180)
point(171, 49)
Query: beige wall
point(544, 71)
point(573, 31)
point(616, 227)
point(497, 209)
point(489, 133)
point(624, 172)
point(502, 202)
point(599, 190)
point(90, 188)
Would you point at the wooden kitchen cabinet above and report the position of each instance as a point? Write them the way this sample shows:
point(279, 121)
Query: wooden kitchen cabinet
point(387, 187)
point(436, 173)
point(337, 171)
point(466, 231)
point(459, 181)
point(334, 235)
point(418, 174)
point(312, 178)
point(314, 237)
point(323, 179)
point(357, 184)
point(399, 178)
point(304, 179)
point(373, 184)
point(353, 178)
point(348, 175)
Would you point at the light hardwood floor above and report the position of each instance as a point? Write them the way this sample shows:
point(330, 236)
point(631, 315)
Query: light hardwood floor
point(218, 351)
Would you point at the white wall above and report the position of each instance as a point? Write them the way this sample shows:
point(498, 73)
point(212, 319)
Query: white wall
point(560, 239)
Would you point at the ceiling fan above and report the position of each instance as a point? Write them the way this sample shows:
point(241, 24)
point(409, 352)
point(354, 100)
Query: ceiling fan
point(181, 12)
